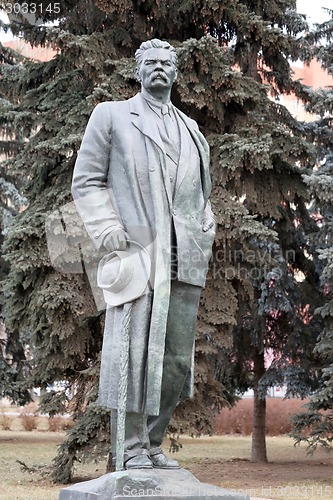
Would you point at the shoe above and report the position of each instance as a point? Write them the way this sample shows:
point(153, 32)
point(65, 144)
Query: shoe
point(139, 462)
point(160, 461)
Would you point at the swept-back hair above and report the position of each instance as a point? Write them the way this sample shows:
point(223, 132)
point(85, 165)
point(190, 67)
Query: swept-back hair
point(155, 43)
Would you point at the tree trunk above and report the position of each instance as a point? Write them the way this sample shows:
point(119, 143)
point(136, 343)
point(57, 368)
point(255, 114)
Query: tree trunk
point(259, 452)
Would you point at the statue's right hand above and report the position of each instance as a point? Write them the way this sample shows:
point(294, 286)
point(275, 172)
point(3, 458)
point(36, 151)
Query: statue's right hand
point(116, 240)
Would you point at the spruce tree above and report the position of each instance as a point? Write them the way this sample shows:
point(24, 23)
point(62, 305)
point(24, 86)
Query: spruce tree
point(267, 149)
point(232, 56)
point(315, 426)
point(12, 356)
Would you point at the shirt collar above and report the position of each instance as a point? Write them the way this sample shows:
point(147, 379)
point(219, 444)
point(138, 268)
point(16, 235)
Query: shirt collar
point(156, 105)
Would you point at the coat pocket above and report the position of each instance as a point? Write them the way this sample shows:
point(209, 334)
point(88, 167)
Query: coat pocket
point(205, 241)
point(194, 249)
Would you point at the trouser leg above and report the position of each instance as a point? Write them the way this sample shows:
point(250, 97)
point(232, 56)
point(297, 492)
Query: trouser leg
point(144, 433)
point(180, 334)
point(136, 435)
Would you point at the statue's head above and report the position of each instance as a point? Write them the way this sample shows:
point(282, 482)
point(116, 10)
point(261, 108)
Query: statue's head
point(156, 64)
point(155, 43)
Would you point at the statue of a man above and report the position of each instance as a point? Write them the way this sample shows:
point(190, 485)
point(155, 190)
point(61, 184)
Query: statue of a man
point(142, 177)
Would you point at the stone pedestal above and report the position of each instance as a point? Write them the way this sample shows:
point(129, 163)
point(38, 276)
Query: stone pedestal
point(152, 484)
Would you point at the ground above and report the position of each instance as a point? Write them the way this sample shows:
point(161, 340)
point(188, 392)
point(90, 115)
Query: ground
point(220, 460)
point(296, 479)
point(290, 473)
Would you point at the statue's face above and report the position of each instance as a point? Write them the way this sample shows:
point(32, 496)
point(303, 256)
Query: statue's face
point(157, 71)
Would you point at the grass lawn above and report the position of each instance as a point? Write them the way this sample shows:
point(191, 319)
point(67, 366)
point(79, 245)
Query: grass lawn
point(220, 460)
point(290, 473)
point(32, 448)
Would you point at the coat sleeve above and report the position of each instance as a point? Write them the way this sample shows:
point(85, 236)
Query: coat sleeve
point(94, 201)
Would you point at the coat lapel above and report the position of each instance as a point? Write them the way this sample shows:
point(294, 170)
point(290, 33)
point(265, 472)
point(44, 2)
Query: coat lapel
point(150, 131)
point(185, 154)
point(139, 120)
point(203, 150)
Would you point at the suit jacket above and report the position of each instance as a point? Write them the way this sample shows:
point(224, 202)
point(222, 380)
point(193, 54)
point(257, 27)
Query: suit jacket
point(121, 180)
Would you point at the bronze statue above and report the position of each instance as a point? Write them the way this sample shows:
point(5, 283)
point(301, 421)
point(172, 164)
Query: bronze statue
point(141, 184)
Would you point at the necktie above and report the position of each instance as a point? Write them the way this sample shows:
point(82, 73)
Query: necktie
point(169, 124)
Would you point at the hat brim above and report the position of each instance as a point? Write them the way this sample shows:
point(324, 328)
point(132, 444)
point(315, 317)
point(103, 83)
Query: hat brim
point(138, 284)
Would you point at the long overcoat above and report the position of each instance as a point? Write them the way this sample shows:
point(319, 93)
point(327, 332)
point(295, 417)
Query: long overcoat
point(121, 180)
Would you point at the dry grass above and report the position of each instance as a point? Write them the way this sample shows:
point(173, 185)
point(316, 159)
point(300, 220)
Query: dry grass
point(32, 448)
point(289, 475)
point(59, 423)
point(220, 460)
point(5, 421)
point(238, 420)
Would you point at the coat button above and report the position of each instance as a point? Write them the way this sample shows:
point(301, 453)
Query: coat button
point(96, 234)
point(174, 212)
point(152, 168)
point(171, 179)
point(194, 183)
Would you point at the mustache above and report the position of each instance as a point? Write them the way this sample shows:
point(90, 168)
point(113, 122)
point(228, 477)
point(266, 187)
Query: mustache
point(160, 74)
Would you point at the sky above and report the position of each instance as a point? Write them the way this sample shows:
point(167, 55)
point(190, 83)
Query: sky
point(312, 8)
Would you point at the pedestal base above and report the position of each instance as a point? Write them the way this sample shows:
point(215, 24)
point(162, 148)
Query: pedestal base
point(152, 484)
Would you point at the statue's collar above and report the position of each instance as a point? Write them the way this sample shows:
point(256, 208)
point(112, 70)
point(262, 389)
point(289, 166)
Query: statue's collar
point(154, 102)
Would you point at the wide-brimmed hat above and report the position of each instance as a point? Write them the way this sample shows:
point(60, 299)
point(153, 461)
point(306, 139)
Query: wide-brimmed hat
point(123, 275)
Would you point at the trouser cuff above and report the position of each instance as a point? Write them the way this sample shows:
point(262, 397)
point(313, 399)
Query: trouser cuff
point(134, 453)
point(130, 454)
point(155, 451)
